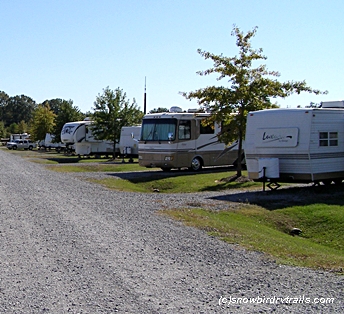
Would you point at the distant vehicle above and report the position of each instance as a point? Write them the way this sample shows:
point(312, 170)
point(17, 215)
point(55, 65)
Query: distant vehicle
point(21, 144)
point(80, 135)
point(48, 143)
point(296, 145)
point(179, 139)
point(19, 136)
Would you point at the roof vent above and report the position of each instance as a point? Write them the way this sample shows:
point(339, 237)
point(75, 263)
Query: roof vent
point(176, 109)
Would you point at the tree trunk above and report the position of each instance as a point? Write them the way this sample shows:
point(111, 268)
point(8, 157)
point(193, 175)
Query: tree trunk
point(239, 159)
point(241, 132)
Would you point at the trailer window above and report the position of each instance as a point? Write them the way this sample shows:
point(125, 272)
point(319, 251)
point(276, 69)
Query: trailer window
point(328, 138)
point(184, 130)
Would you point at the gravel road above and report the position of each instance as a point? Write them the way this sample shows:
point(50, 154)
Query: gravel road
point(71, 246)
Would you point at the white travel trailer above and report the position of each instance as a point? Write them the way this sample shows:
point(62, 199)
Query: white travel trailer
point(296, 145)
point(128, 144)
point(79, 134)
point(48, 143)
point(179, 139)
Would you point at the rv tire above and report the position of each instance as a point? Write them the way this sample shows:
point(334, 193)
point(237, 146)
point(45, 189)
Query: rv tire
point(196, 164)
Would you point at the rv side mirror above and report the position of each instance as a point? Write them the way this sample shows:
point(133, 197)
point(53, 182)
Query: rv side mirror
point(170, 136)
point(133, 137)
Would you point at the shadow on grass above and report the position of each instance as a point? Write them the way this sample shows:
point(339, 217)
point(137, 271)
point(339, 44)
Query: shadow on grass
point(155, 175)
point(292, 196)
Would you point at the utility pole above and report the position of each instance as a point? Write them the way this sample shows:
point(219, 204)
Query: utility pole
point(144, 100)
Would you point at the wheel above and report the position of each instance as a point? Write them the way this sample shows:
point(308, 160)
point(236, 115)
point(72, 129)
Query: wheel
point(327, 182)
point(30, 147)
point(196, 164)
point(14, 147)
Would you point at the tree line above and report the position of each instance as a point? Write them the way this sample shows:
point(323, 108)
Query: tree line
point(112, 110)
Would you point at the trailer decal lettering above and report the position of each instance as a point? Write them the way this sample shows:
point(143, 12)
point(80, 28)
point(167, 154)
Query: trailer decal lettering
point(277, 137)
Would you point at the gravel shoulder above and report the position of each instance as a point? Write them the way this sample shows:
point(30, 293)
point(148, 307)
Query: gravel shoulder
point(71, 246)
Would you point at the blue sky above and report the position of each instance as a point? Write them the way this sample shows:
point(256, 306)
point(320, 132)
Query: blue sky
point(73, 49)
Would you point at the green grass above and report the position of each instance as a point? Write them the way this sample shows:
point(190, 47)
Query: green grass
point(175, 182)
point(95, 166)
point(320, 246)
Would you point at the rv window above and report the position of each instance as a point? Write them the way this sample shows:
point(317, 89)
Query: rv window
point(184, 130)
point(328, 138)
point(158, 129)
point(207, 128)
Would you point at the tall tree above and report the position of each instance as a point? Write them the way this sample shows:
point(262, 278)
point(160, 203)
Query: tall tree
point(42, 122)
point(64, 112)
point(13, 128)
point(2, 130)
point(23, 127)
point(112, 111)
point(18, 108)
point(3, 102)
point(249, 88)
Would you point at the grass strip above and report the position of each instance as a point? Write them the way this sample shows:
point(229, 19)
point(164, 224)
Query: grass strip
point(320, 246)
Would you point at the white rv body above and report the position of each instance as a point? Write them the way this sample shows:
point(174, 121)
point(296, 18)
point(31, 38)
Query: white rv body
point(79, 134)
point(128, 142)
point(177, 140)
point(48, 143)
point(295, 145)
point(21, 136)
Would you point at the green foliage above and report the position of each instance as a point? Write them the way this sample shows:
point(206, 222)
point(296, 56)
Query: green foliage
point(16, 109)
point(2, 130)
point(158, 110)
point(13, 128)
point(249, 88)
point(112, 111)
point(23, 127)
point(42, 122)
point(65, 112)
point(17, 112)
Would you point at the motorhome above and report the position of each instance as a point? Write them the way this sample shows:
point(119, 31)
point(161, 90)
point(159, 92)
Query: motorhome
point(296, 145)
point(80, 135)
point(179, 139)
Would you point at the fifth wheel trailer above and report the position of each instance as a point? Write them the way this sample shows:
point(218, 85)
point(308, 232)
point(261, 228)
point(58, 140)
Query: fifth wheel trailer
point(80, 135)
point(296, 145)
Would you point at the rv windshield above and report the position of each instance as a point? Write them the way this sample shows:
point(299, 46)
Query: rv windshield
point(158, 129)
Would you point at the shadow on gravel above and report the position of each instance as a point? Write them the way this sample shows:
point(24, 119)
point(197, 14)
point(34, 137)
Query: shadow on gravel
point(293, 196)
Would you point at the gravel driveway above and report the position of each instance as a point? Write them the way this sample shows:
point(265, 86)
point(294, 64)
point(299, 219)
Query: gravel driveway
point(70, 246)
